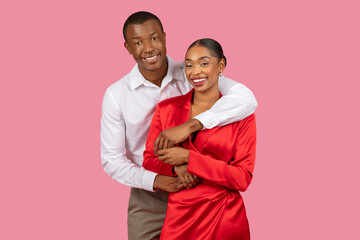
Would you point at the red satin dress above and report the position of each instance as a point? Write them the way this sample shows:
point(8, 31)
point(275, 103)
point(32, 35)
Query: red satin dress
point(223, 157)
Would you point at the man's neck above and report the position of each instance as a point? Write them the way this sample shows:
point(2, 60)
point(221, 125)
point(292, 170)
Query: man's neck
point(156, 76)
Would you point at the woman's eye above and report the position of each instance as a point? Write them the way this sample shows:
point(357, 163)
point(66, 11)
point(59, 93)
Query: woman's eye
point(204, 64)
point(138, 43)
point(155, 38)
point(188, 66)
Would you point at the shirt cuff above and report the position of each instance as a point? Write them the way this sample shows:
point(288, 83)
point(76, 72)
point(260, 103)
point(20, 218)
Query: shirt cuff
point(208, 119)
point(148, 180)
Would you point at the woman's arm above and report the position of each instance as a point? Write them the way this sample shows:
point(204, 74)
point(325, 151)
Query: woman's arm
point(151, 161)
point(237, 174)
point(237, 103)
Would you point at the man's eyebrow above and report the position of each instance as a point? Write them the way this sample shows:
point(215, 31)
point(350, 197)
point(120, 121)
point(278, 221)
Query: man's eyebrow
point(140, 37)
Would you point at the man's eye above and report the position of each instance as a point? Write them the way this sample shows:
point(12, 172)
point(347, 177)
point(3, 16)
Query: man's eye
point(188, 66)
point(138, 43)
point(155, 38)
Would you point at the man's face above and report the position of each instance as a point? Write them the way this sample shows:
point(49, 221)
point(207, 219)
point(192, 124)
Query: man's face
point(146, 43)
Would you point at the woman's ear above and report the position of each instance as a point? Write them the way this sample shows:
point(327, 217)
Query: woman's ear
point(222, 65)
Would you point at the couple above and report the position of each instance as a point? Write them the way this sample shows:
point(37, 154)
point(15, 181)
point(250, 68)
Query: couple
point(188, 153)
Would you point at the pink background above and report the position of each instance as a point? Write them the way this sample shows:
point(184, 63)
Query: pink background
point(300, 58)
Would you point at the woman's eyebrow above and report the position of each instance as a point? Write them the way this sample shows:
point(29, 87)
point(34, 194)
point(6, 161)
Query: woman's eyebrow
point(188, 59)
point(204, 57)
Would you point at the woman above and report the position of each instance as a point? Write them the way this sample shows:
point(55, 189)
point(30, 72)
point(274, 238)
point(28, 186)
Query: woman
point(222, 158)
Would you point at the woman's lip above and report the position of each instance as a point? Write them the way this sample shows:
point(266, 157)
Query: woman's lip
point(198, 82)
point(198, 79)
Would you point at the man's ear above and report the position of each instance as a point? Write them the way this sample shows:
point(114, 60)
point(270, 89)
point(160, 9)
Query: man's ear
point(164, 36)
point(126, 45)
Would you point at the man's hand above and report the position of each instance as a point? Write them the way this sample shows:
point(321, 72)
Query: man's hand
point(189, 180)
point(168, 138)
point(174, 156)
point(167, 184)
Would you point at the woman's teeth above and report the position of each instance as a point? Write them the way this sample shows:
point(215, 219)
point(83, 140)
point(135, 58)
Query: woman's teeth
point(199, 80)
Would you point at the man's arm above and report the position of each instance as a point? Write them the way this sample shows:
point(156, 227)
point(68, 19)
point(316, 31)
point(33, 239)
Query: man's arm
point(237, 103)
point(113, 152)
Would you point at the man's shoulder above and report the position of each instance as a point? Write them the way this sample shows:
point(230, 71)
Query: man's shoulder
point(176, 64)
point(121, 85)
point(176, 69)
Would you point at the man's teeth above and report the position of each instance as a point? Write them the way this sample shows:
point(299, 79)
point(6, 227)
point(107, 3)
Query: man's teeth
point(199, 80)
point(149, 58)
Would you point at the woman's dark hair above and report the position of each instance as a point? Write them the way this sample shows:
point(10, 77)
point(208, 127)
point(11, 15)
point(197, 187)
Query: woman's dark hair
point(140, 18)
point(211, 44)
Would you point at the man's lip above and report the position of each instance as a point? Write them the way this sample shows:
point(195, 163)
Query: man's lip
point(151, 57)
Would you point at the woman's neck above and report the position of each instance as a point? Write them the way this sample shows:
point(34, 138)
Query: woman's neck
point(208, 97)
point(203, 101)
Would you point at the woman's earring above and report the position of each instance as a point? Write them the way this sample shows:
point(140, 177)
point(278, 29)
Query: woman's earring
point(220, 74)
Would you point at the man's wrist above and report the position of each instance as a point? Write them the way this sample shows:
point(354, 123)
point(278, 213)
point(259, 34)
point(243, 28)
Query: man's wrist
point(194, 125)
point(156, 183)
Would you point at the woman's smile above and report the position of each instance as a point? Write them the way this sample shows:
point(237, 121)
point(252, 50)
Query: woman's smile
point(199, 81)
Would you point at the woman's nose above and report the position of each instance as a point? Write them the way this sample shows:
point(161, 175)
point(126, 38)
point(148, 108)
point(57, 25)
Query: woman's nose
point(196, 70)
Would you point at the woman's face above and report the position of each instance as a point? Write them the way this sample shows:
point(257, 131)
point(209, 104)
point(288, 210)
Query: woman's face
point(202, 69)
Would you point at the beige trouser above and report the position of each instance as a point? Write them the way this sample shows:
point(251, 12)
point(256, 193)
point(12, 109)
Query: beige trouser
point(146, 214)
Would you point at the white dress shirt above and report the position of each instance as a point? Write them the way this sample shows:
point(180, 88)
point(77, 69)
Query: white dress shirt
point(127, 110)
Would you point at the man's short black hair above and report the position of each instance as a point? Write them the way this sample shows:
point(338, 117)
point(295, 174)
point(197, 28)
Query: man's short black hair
point(140, 18)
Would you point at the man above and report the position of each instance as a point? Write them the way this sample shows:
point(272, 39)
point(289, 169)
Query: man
point(128, 107)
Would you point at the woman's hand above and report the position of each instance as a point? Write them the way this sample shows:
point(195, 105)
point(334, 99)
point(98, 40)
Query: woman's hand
point(174, 156)
point(188, 180)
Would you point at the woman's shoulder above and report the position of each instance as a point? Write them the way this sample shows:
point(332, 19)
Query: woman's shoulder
point(176, 101)
point(248, 121)
point(250, 118)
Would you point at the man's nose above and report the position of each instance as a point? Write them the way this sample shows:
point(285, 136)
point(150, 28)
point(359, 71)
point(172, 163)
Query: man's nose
point(148, 47)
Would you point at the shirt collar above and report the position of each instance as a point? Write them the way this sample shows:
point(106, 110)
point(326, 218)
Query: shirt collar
point(174, 72)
